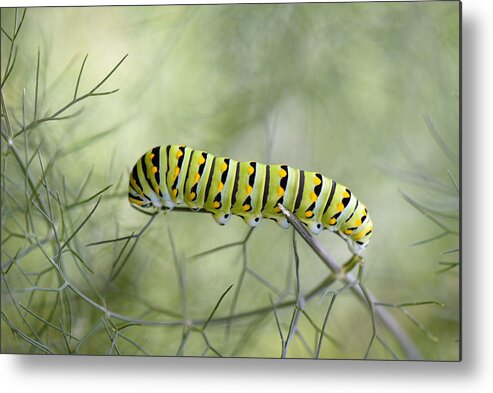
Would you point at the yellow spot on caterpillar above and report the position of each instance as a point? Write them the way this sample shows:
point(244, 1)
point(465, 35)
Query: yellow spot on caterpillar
point(340, 207)
point(179, 153)
point(358, 223)
point(313, 197)
point(224, 166)
point(358, 236)
point(277, 209)
point(249, 188)
point(156, 189)
point(154, 169)
point(135, 201)
point(280, 192)
point(192, 196)
point(346, 194)
point(332, 221)
point(250, 170)
point(316, 181)
point(177, 171)
point(196, 178)
point(174, 192)
point(246, 208)
point(348, 231)
point(216, 205)
point(282, 173)
point(201, 160)
point(308, 214)
point(151, 156)
point(220, 186)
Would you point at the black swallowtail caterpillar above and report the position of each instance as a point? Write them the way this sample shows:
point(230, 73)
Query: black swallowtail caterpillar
point(174, 175)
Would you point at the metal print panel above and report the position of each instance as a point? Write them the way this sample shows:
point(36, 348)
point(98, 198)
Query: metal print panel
point(323, 138)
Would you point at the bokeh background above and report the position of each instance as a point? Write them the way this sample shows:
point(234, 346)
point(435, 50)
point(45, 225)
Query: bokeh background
point(365, 93)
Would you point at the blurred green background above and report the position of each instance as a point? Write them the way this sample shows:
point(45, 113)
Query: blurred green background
point(365, 93)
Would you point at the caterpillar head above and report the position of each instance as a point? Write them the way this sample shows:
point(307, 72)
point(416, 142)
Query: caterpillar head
point(358, 246)
point(140, 189)
point(136, 195)
point(357, 230)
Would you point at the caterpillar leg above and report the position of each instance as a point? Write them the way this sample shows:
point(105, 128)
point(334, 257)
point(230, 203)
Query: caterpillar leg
point(283, 222)
point(315, 227)
point(156, 200)
point(168, 203)
point(252, 220)
point(221, 218)
point(355, 247)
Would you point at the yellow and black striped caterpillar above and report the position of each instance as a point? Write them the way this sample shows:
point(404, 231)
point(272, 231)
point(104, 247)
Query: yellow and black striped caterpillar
point(174, 175)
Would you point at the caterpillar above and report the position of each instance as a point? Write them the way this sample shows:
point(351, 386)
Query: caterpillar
point(177, 175)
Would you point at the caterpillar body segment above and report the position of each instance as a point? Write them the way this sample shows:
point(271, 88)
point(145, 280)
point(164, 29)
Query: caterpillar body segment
point(177, 175)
